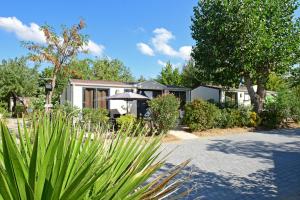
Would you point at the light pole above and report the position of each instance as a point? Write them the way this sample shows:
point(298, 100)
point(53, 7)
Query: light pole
point(48, 89)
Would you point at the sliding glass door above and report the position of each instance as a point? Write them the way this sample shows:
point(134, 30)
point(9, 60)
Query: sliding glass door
point(95, 98)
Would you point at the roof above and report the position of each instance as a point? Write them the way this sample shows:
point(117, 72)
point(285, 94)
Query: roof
point(150, 85)
point(240, 89)
point(100, 82)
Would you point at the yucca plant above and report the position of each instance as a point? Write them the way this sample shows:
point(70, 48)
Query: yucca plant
point(52, 159)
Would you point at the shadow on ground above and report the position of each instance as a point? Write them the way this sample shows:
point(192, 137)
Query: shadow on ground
point(282, 181)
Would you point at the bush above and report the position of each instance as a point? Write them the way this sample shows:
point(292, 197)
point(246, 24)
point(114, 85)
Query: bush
point(237, 117)
point(68, 109)
point(200, 115)
point(284, 107)
point(55, 160)
point(127, 122)
point(164, 112)
point(95, 116)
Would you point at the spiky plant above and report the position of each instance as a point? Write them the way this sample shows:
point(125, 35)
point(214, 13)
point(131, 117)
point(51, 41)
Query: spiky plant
point(52, 159)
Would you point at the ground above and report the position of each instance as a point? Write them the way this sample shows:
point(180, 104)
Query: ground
point(257, 165)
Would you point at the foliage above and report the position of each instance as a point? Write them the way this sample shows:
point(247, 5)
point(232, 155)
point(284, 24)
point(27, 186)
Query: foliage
point(294, 79)
point(200, 115)
point(188, 75)
point(17, 80)
point(3, 111)
point(169, 75)
point(141, 79)
point(58, 50)
point(95, 116)
point(237, 117)
point(164, 111)
point(67, 109)
point(276, 82)
point(53, 160)
point(125, 122)
point(113, 70)
point(285, 106)
point(245, 41)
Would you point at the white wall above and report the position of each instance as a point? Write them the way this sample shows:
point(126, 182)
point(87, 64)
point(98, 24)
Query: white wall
point(118, 106)
point(77, 96)
point(205, 93)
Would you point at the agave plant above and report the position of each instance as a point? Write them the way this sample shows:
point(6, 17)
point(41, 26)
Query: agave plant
point(52, 159)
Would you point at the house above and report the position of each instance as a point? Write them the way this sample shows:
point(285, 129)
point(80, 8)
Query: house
point(219, 94)
point(94, 93)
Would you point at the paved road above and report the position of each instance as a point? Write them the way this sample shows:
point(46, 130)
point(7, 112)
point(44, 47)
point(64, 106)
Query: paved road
point(260, 165)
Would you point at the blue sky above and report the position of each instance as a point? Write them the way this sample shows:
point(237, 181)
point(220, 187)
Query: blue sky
point(143, 34)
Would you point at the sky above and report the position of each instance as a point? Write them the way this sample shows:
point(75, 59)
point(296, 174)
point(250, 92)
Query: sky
point(144, 34)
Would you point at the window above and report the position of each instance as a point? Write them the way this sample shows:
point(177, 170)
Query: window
point(231, 97)
point(128, 90)
point(95, 98)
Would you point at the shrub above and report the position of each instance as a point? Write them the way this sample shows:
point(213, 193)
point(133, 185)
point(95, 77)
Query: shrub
point(54, 160)
point(284, 107)
point(68, 109)
point(126, 122)
point(200, 115)
point(164, 112)
point(237, 117)
point(95, 116)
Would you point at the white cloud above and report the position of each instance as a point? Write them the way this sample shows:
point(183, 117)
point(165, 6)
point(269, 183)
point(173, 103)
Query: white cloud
point(174, 65)
point(160, 42)
point(185, 52)
point(93, 48)
point(22, 31)
point(145, 49)
point(34, 33)
point(162, 63)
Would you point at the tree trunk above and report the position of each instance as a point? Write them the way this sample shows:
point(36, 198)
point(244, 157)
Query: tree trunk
point(257, 97)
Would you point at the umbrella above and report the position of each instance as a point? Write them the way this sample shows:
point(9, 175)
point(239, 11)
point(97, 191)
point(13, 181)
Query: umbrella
point(127, 96)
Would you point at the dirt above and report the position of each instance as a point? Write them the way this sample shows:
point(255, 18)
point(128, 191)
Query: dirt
point(169, 138)
point(226, 131)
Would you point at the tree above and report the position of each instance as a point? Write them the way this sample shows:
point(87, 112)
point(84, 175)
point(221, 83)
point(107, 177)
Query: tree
point(141, 79)
point(244, 41)
point(276, 82)
point(113, 70)
point(188, 75)
point(17, 80)
point(169, 76)
point(58, 50)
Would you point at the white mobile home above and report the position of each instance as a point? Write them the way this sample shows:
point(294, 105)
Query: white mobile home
point(94, 93)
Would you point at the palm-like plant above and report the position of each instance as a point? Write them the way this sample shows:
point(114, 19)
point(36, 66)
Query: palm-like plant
point(55, 160)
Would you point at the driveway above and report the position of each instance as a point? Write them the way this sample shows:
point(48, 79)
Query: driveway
point(258, 165)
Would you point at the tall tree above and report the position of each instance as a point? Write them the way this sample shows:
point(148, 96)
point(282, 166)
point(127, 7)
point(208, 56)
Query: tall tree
point(169, 75)
point(188, 75)
point(114, 70)
point(58, 50)
point(17, 80)
point(245, 40)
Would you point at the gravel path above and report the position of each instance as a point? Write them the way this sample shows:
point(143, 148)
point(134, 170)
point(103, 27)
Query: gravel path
point(260, 165)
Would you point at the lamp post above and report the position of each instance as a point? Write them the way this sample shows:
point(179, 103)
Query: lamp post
point(48, 89)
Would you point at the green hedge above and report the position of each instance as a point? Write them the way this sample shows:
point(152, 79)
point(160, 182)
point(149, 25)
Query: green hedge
point(202, 115)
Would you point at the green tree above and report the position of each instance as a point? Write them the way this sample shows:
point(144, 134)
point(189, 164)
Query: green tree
point(17, 80)
point(169, 75)
point(188, 75)
point(276, 82)
point(245, 40)
point(294, 79)
point(114, 70)
point(141, 79)
point(59, 50)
